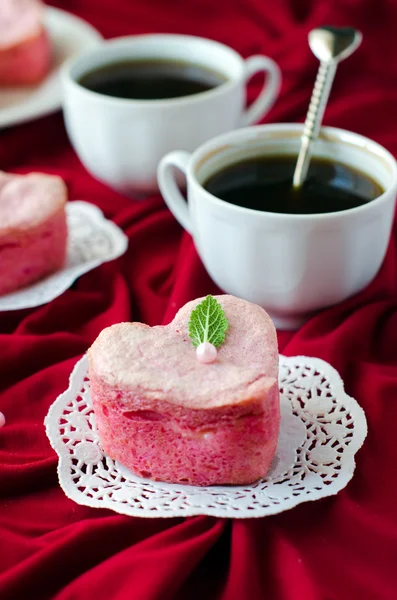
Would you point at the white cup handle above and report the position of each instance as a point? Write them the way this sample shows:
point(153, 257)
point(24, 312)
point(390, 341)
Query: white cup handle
point(269, 92)
point(169, 187)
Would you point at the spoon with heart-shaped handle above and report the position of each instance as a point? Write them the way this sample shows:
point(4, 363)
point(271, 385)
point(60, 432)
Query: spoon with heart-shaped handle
point(330, 45)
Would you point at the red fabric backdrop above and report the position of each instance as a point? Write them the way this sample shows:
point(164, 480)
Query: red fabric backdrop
point(339, 548)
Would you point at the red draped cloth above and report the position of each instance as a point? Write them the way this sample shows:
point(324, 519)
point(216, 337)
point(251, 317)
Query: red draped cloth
point(338, 548)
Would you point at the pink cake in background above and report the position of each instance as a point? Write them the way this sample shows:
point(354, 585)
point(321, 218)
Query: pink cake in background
point(25, 49)
point(166, 416)
point(33, 232)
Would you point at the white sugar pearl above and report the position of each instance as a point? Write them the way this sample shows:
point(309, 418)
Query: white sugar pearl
point(206, 353)
point(2, 420)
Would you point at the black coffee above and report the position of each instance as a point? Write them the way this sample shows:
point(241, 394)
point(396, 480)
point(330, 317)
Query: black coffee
point(151, 79)
point(265, 183)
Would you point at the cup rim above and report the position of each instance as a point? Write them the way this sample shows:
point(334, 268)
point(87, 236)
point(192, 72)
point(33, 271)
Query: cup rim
point(125, 41)
point(343, 136)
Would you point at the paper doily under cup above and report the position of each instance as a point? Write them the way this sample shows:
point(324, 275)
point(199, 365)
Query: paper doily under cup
point(321, 430)
point(92, 241)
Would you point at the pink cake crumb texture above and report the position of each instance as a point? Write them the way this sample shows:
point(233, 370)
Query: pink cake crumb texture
point(166, 416)
point(25, 48)
point(33, 230)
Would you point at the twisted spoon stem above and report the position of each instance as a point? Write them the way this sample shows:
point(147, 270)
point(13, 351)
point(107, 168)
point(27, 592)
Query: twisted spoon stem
point(318, 102)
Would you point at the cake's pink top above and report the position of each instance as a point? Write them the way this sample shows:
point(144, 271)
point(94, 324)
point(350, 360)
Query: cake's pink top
point(20, 20)
point(28, 200)
point(162, 360)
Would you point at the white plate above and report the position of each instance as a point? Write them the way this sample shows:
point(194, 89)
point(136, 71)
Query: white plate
point(92, 240)
point(69, 36)
point(321, 430)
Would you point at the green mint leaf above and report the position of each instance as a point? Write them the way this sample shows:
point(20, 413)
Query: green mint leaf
point(208, 323)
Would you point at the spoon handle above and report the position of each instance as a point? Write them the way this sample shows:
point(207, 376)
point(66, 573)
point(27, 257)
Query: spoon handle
point(318, 101)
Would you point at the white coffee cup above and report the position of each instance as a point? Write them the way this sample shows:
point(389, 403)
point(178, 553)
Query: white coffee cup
point(290, 264)
point(121, 141)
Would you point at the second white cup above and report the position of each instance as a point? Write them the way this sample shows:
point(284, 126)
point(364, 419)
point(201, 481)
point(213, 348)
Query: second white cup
point(121, 141)
point(291, 264)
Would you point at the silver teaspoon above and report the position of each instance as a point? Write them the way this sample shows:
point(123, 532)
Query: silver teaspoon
point(330, 45)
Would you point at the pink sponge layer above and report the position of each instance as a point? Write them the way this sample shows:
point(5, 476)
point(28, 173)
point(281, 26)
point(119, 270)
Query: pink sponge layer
point(198, 448)
point(26, 63)
point(33, 231)
point(166, 416)
point(29, 257)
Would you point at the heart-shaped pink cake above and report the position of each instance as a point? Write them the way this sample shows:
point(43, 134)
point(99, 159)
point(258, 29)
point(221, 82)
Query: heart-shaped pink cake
point(33, 232)
point(25, 48)
point(169, 417)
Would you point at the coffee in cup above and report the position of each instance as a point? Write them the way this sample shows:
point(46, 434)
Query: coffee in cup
point(264, 183)
point(151, 79)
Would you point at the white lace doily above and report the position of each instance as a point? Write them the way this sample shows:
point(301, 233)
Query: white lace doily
point(92, 241)
point(321, 430)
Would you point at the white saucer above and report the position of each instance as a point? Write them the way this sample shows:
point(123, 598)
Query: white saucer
point(70, 36)
point(321, 429)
